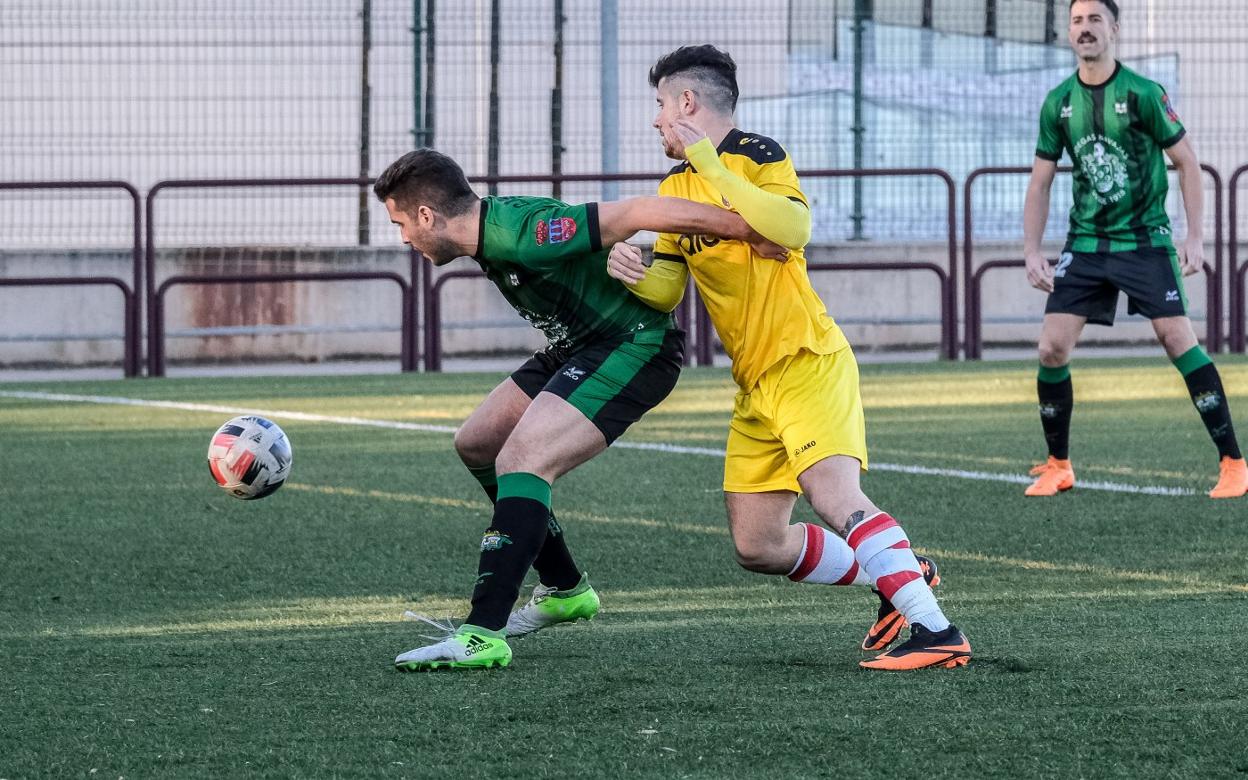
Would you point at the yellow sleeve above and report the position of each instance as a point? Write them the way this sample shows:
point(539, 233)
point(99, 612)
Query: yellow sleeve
point(663, 286)
point(666, 278)
point(772, 214)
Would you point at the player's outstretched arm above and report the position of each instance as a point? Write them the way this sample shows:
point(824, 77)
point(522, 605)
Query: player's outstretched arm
point(619, 220)
point(1035, 216)
point(1192, 250)
point(774, 216)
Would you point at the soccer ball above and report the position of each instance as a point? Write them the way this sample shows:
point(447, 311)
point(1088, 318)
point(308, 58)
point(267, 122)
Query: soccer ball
point(249, 457)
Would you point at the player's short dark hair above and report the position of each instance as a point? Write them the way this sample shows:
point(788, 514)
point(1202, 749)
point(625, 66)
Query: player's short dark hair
point(426, 177)
point(706, 64)
point(1110, 4)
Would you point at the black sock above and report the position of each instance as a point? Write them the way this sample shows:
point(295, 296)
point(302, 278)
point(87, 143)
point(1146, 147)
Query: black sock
point(509, 547)
point(1205, 386)
point(554, 564)
point(1057, 400)
point(488, 479)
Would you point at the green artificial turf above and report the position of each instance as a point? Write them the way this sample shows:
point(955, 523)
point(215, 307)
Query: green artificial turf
point(150, 625)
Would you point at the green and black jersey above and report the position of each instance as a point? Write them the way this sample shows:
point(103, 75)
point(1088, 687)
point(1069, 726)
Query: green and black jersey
point(547, 259)
point(1115, 134)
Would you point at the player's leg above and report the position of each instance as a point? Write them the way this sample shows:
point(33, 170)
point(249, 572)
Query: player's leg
point(760, 489)
point(1204, 385)
point(1056, 395)
point(481, 437)
point(882, 550)
point(551, 438)
point(1082, 293)
point(613, 386)
point(816, 409)
point(1154, 286)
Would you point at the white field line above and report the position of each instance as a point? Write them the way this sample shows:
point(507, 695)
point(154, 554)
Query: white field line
point(277, 414)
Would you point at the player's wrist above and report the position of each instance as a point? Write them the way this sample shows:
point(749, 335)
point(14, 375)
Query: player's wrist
point(701, 154)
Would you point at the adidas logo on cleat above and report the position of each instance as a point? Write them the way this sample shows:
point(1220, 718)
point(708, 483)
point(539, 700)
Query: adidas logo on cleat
point(475, 645)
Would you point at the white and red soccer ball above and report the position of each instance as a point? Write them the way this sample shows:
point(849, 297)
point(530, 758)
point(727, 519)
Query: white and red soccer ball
point(249, 457)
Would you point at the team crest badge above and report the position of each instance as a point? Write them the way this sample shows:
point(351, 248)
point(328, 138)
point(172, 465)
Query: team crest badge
point(1106, 170)
point(1171, 114)
point(556, 231)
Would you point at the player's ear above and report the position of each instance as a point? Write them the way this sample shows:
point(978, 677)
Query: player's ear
point(425, 216)
point(688, 102)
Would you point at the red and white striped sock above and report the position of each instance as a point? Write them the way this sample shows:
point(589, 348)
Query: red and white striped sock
point(881, 548)
point(826, 560)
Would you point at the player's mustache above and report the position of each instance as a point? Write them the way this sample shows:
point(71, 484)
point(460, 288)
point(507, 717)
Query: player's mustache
point(1087, 38)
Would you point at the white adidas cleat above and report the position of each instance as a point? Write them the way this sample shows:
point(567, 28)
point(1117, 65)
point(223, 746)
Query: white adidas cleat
point(548, 607)
point(470, 647)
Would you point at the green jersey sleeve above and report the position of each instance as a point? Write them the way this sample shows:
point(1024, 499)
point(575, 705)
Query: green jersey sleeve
point(1049, 144)
point(539, 233)
point(1160, 118)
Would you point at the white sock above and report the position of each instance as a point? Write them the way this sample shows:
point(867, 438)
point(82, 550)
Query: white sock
point(826, 559)
point(880, 546)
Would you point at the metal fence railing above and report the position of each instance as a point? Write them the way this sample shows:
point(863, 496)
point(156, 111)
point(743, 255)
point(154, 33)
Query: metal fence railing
point(158, 287)
point(973, 310)
point(130, 290)
point(420, 285)
point(1235, 272)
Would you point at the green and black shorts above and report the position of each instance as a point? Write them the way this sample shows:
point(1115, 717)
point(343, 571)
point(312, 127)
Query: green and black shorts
point(1088, 283)
point(613, 383)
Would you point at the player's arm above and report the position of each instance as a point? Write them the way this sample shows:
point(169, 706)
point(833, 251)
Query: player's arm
point(660, 285)
point(774, 216)
point(1036, 206)
point(1163, 124)
point(1192, 250)
point(1035, 217)
point(619, 220)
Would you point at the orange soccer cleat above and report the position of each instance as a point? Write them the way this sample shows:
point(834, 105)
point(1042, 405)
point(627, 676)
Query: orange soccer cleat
point(1232, 479)
point(1052, 477)
point(924, 649)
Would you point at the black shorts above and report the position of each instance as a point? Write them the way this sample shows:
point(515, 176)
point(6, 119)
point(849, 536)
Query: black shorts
point(1088, 283)
point(613, 383)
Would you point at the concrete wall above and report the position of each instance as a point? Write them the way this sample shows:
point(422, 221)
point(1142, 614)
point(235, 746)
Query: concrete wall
point(884, 310)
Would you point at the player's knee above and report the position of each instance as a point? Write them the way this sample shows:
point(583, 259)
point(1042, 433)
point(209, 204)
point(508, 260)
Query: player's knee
point(474, 448)
point(1176, 340)
point(1053, 355)
point(758, 555)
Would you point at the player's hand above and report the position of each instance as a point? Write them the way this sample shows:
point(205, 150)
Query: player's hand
point(1039, 272)
point(681, 133)
point(624, 262)
point(688, 133)
point(1191, 256)
point(769, 249)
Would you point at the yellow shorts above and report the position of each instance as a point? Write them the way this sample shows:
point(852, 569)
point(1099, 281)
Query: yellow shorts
point(803, 409)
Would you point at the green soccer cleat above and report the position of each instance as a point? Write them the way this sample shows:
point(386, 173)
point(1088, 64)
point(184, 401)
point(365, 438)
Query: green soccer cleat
point(470, 647)
point(549, 607)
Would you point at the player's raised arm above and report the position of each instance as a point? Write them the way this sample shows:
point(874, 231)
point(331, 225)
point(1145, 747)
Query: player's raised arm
point(774, 216)
point(1035, 216)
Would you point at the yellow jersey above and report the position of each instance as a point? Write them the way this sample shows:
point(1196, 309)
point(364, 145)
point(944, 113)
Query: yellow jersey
point(763, 310)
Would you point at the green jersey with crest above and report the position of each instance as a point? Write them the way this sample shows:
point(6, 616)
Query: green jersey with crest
point(1115, 134)
point(546, 258)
